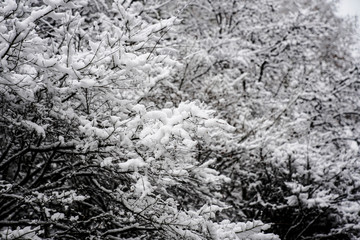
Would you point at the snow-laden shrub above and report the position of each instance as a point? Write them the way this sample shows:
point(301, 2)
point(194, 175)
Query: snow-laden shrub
point(85, 152)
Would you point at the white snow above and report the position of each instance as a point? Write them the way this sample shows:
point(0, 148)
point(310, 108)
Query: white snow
point(33, 126)
point(57, 216)
point(7, 6)
point(143, 187)
point(132, 164)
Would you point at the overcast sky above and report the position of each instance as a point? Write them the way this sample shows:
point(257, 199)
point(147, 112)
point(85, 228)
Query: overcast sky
point(349, 7)
point(352, 8)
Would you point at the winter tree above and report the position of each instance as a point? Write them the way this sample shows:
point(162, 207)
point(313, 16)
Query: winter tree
point(199, 119)
point(283, 74)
